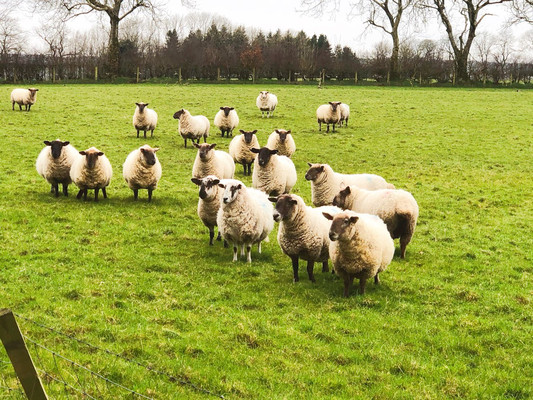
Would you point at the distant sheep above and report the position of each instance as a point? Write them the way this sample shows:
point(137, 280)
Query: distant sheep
point(345, 114)
point(325, 183)
point(397, 208)
point(239, 149)
point(267, 103)
point(212, 162)
point(282, 141)
point(360, 247)
point(24, 97)
point(192, 127)
point(226, 120)
point(328, 114)
point(144, 119)
point(54, 162)
point(273, 174)
point(92, 171)
point(142, 170)
point(209, 204)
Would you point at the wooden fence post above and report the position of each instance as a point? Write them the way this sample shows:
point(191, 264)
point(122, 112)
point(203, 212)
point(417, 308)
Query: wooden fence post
point(388, 76)
point(137, 74)
point(96, 73)
point(54, 75)
point(179, 75)
point(218, 74)
point(20, 357)
point(355, 78)
point(253, 75)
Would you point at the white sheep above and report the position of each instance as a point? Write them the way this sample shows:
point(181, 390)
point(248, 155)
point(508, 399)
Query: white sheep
point(226, 120)
point(92, 171)
point(142, 170)
point(212, 162)
point(192, 127)
point(239, 149)
point(144, 119)
point(266, 102)
point(360, 247)
point(345, 114)
point(325, 183)
point(282, 141)
point(273, 174)
point(328, 114)
point(245, 217)
point(209, 204)
point(396, 207)
point(54, 162)
point(303, 232)
point(24, 97)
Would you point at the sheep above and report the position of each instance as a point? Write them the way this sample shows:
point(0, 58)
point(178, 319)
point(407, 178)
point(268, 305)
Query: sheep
point(54, 162)
point(397, 208)
point(209, 203)
point(192, 127)
point(144, 119)
point(273, 174)
point(226, 120)
point(245, 217)
point(212, 162)
point(239, 149)
point(92, 171)
point(23, 97)
point(325, 183)
point(360, 247)
point(328, 114)
point(142, 170)
point(266, 102)
point(282, 140)
point(303, 232)
point(345, 114)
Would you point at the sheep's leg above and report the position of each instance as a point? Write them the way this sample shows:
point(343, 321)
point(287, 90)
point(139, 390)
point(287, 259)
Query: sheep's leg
point(198, 140)
point(104, 193)
point(325, 267)
point(327, 130)
point(234, 252)
point(226, 244)
point(20, 107)
point(205, 139)
point(219, 237)
point(65, 189)
point(249, 253)
point(294, 260)
point(244, 166)
point(55, 189)
point(346, 122)
point(137, 132)
point(310, 266)
point(185, 143)
point(348, 281)
point(404, 241)
point(96, 190)
point(135, 194)
point(259, 247)
point(13, 106)
point(28, 107)
point(362, 284)
point(80, 193)
point(319, 126)
point(150, 190)
point(376, 279)
point(334, 127)
point(85, 194)
point(152, 133)
point(144, 133)
point(211, 235)
point(242, 250)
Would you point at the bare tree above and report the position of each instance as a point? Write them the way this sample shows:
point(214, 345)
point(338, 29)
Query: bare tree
point(483, 45)
point(523, 10)
point(501, 55)
point(10, 40)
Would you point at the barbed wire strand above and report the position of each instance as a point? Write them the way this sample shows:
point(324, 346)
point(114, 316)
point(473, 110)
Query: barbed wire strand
point(171, 378)
point(49, 375)
point(37, 353)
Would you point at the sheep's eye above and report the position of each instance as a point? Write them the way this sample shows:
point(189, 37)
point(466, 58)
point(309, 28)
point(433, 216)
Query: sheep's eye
point(346, 221)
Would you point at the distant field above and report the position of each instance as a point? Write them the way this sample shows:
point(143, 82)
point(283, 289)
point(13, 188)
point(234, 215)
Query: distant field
point(452, 320)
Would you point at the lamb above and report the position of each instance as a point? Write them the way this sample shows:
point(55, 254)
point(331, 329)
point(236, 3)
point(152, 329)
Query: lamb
point(144, 119)
point(192, 127)
point(54, 162)
point(345, 114)
point(92, 171)
point(245, 217)
point(325, 183)
point(226, 120)
point(273, 174)
point(23, 97)
point(328, 114)
point(360, 247)
point(239, 149)
point(209, 203)
point(266, 102)
point(303, 232)
point(282, 140)
point(142, 170)
point(397, 208)
point(212, 162)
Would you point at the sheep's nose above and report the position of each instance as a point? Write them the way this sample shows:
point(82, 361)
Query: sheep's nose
point(225, 200)
point(332, 236)
point(307, 177)
point(277, 216)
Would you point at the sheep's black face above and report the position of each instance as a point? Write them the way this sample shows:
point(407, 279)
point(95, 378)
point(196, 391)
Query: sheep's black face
point(141, 106)
point(340, 224)
point(32, 92)
point(178, 114)
point(264, 154)
point(314, 172)
point(204, 150)
point(340, 199)
point(248, 136)
point(264, 94)
point(208, 187)
point(92, 157)
point(231, 192)
point(149, 156)
point(334, 105)
point(56, 147)
point(282, 134)
point(285, 206)
point(226, 110)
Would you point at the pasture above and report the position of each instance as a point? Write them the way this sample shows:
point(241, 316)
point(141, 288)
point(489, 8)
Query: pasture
point(452, 320)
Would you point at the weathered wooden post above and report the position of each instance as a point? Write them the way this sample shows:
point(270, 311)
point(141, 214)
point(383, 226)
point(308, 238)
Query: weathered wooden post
point(323, 77)
point(179, 75)
point(20, 357)
point(96, 73)
point(137, 74)
point(355, 78)
point(53, 74)
point(253, 75)
point(420, 79)
point(218, 73)
point(289, 76)
point(388, 76)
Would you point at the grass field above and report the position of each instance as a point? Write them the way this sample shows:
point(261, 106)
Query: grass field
point(452, 320)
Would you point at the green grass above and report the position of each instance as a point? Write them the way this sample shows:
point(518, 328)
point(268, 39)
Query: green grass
point(452, 320)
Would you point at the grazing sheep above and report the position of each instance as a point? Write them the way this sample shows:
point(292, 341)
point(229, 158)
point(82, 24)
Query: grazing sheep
point(212, 162)
point(282, 141)
point(303, 232)
point(226, 120)
point(245, 217)
point(328, 114)
point(325, 183)
point(142, 170)
point(23, 97)
point(239, 149)
point(360, 247)
point(54, 162)
point(266, 102)
point(144, 119)
point(345, 114)
point(209, 204)
point(92, 171)
point(397, 208)
point(273, 174)
point(192, 127)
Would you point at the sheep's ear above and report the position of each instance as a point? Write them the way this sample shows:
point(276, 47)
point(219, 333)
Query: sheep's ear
point(254, 150)
point(66, 143)
point(222, 185)
point(327, 216)
point(216, 181)
point(212, 146)
point(196, 181)
point(136, 104)
point(293, 201)
point(221, 108)
point(100, 154)
point(254, 131)
point(47, 142)
point(155, 149)
point(275, 151)
point(241, 131)
point(239, 186)
point(353, 219)
point(321, 168)
point(273, 199)
point(308, 163)
point(143, 150)
point(289, 131)
point(83, 153)
point(347, 190)
point(232, 108)
point(277, 130)
point(196, 145)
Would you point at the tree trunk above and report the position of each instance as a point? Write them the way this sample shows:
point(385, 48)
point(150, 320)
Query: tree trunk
point(461, 65)
point(394, 58)
point(113, 55)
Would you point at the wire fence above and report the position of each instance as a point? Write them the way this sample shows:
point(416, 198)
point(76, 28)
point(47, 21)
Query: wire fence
point(65, 378)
